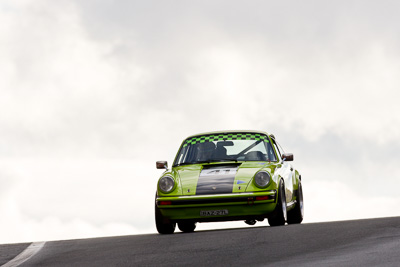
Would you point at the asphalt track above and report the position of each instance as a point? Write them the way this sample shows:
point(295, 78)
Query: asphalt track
point(372, 242)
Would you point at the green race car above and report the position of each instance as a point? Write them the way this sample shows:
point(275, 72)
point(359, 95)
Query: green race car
point(226, 176)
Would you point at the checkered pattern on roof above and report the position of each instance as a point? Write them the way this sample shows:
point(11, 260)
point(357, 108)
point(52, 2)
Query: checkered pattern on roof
point(225, 137)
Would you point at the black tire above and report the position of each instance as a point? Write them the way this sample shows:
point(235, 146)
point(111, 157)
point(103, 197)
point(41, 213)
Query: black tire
point(296, 215)
point(187, 227)
point(164, 226)
point(279, 216)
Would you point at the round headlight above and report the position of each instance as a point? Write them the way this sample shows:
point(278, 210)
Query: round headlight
point(262, 179)
point(166, 184)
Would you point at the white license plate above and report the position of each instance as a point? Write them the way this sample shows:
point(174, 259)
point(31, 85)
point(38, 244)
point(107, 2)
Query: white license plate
point(213, 212)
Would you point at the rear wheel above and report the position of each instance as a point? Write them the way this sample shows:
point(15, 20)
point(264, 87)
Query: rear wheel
point(164, 226)
point(296, 214)
point(279, 216)
point(187, 227)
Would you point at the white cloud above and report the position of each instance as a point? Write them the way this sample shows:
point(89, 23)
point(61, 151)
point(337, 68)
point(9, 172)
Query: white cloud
point(65, 199)
point(62, 89)
point(334, 201)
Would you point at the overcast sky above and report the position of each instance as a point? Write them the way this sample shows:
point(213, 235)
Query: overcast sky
point(92, 93)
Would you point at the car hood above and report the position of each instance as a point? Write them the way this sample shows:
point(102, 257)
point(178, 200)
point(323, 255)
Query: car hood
point(221, 178)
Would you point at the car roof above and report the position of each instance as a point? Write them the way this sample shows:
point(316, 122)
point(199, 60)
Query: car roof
point(227, 132)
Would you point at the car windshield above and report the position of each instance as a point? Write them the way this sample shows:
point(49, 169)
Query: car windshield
point(225, 147)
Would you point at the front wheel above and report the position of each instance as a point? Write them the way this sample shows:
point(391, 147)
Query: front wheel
point(164, 226)
point(296, 215)
point(279, 216)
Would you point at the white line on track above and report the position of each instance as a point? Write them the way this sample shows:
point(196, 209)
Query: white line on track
point(25, 255)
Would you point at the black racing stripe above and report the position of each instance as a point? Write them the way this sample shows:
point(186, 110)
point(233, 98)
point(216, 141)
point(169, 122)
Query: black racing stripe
point(216, 180)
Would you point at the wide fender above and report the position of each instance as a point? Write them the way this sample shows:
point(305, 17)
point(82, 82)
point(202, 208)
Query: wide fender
point(297, 180)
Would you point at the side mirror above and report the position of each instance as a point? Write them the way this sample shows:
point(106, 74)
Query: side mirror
point(287, 157)
point(162, 165)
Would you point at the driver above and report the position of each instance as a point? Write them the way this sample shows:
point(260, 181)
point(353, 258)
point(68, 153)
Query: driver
point(205, 151)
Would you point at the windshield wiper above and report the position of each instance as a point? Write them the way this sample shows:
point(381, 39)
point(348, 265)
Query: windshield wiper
point(200, 161)
point(194, 162)
point(206, 161)
point(235, 160)
point(181, 164)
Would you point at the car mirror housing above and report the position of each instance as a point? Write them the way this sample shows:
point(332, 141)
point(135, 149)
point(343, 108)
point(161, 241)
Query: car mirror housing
point(287, 156)
point(162, 165)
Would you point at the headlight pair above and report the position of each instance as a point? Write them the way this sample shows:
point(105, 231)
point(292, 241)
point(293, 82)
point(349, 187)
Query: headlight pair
point(262, 179)
point(166, 184)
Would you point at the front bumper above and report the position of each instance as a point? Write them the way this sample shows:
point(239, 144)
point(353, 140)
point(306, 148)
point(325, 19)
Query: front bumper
point(239, 206)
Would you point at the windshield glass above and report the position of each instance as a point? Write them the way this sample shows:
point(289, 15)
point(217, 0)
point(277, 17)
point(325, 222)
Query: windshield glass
point(225, 147)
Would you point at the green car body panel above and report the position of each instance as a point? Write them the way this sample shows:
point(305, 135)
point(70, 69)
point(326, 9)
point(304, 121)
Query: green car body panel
point(232, 192)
